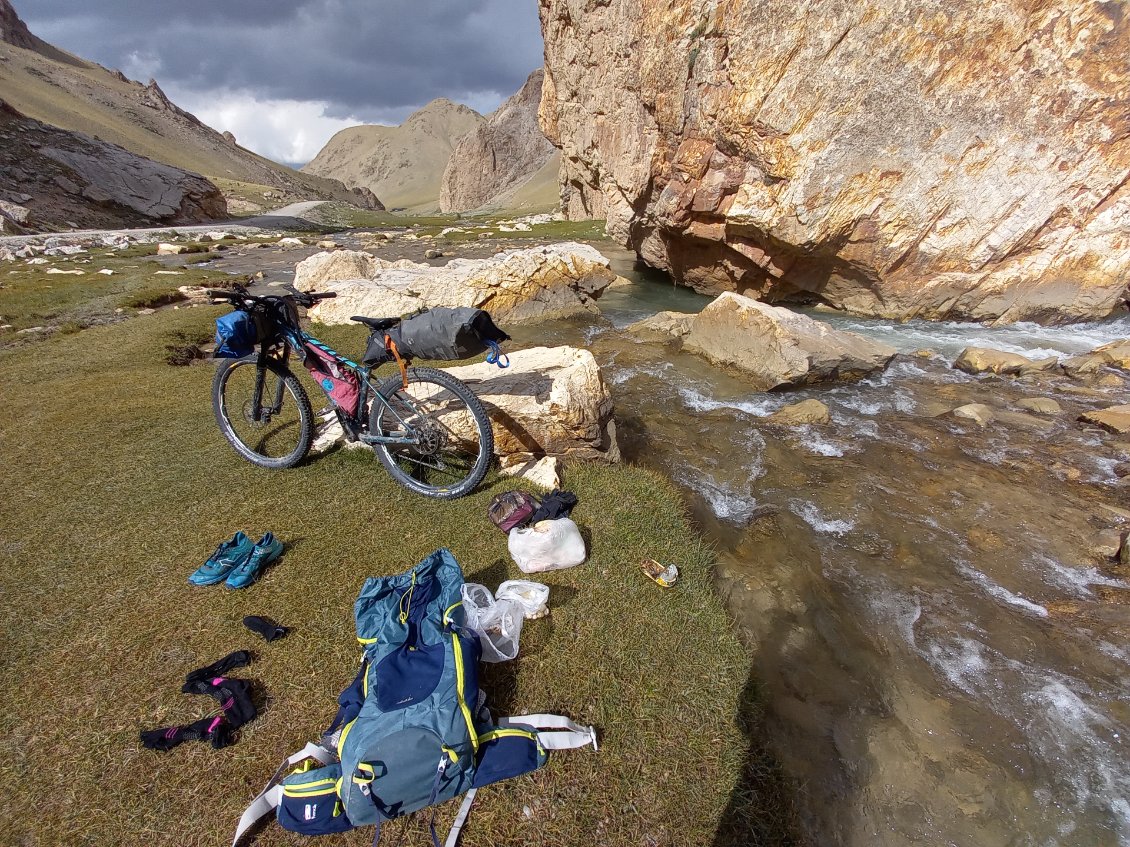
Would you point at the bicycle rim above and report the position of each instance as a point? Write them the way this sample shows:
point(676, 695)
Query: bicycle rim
point(453, 431)
point(274, 433)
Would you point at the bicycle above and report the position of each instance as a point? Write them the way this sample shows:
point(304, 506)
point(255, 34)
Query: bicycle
point(429, 431)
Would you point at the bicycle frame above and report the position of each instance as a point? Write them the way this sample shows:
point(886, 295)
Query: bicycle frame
point(355, 426)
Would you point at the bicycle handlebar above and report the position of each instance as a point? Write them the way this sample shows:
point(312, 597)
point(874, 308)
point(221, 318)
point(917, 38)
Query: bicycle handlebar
point(238, 295)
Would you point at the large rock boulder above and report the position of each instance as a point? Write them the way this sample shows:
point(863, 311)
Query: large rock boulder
point(976, 360)
point(496, 157)
point(550, 402)
point(776, 347)
point(903, 159)
point(537, 283)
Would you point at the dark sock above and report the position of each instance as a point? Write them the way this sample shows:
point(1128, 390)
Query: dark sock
point(233, 695)
point(169, 737)
point(556, 504)
point(218, 668)
point(265, 627)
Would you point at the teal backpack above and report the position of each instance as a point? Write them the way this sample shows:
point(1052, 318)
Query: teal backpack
point(412, 730)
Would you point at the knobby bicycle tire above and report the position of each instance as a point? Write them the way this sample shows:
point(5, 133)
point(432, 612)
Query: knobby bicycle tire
point(451, 415)
point(249, 437)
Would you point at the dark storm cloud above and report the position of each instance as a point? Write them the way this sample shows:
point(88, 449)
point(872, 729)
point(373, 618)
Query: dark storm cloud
point(366, 58)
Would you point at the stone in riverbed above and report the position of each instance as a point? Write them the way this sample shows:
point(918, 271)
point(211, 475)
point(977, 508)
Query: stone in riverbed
point(1040, 366)
point(674, 324)
point(775, 347)
point(1085, 364)
point(978, 412)
point(976, 360)
point(1039, 405)
point(166, 249)
point(1117, 354)
point(537, 283)
point(797, 414)
point(1113, 418)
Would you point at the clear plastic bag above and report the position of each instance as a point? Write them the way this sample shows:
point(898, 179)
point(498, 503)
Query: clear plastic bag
point(547, 546)
point(532, 597)
point(498, 623)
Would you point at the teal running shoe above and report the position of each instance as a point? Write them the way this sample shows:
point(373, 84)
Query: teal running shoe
point(266, 551)
point(228, 556)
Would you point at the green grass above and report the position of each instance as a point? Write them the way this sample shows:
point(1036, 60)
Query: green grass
point(118, 484)
point(29, 296)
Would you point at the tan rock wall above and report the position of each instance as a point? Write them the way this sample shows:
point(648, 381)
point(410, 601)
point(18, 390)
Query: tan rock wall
point(906, 158)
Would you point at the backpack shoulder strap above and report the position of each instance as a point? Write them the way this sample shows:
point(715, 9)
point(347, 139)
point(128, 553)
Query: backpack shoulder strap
point(556, 732)
point(268, 799)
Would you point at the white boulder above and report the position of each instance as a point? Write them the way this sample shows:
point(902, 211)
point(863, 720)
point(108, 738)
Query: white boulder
point(776, 347)
point(537, 283)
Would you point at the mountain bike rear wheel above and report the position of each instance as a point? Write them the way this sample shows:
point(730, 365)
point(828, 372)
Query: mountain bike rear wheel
point(454, 442)
point(263, 412)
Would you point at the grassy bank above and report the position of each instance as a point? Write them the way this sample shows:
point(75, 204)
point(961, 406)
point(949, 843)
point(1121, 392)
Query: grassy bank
point(117, 485)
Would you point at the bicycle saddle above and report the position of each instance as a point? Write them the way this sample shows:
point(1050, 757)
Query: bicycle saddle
point(376, 323)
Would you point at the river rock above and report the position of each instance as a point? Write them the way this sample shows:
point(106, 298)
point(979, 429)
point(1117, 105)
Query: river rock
point(1085, 364)
point(975, 360)
point(164, 249)
point(1113, 418)
point(674, 324)
point(1040, 366)
point(317, 271)
point(550, 401)
point(797, 414)
point(496, 157)
point(898, 159)
point(1117, 354)
point(1039, 405)
point(536, 283)
point(978, 412)
point(776, 347)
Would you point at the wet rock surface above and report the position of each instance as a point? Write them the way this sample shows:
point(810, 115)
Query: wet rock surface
point(776, 347)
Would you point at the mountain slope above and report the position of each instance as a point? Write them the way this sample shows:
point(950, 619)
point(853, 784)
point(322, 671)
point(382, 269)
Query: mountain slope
point(403, 165)
point(492, 162)
point(56, 88)
point(54, 179)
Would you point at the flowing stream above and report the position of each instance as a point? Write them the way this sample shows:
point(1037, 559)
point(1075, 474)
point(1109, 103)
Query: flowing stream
point(941, 648)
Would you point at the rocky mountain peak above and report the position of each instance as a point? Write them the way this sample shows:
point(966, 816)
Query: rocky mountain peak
point(13, 30)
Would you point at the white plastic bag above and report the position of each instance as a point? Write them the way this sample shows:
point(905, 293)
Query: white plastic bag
point(532, 597)
point(498, 623)
point(547, 546)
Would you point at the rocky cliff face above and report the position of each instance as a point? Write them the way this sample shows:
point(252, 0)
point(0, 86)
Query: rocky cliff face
point(908, 158)
point(57, 178)
point(402, 164)
point(493, 160)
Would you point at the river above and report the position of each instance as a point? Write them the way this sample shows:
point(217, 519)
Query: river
point(942, 652)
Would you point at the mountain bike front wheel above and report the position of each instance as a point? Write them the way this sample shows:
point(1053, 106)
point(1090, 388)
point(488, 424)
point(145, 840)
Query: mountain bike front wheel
point(453, 439)
point(263, 412)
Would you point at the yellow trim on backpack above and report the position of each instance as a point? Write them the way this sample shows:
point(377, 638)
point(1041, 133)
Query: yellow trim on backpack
point(310, 789)
point(504, 731)
point(458, 651)
point(341, 738)
point(447, 611)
